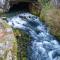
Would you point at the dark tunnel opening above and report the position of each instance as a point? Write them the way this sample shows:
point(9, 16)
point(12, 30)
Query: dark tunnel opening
point(21, 6)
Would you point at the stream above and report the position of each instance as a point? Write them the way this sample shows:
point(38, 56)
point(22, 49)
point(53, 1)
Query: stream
point(44, 46)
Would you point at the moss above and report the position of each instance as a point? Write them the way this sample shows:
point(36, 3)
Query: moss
point(1, 58)
point(51, 16)
point(22, 41)
point(14, 50)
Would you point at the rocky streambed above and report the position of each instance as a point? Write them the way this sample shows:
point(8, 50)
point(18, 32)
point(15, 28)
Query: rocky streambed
point(43, 45)
point(31, 39)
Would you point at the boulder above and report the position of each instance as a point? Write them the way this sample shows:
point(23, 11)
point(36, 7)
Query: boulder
point(4, 5)
point(8, 45)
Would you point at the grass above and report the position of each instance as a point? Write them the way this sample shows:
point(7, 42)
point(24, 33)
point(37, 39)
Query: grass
point(51, 16)
point(22, 43)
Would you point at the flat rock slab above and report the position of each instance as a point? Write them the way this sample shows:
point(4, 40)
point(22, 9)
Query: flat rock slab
point(8, 45)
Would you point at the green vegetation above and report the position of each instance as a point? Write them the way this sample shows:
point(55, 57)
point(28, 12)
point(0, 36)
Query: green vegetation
point(51, 16)
point(22, 42)
point(44, 2)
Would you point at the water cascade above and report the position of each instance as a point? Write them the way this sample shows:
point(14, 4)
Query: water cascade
point(43, 45)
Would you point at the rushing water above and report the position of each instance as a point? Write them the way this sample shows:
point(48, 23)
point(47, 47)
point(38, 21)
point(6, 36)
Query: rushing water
point(44, 46)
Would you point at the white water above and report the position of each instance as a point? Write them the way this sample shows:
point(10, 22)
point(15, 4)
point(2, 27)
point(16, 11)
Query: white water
point(43, 45)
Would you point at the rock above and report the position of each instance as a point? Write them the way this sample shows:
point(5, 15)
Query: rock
point(8, 45)
point(9, 56)
point(6, 4)
point(35, 8)
point(56, 3)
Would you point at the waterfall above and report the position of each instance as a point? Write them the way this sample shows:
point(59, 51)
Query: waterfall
point(43, 45)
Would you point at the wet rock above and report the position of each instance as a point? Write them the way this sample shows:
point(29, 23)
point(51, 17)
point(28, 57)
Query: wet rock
point(8, 46)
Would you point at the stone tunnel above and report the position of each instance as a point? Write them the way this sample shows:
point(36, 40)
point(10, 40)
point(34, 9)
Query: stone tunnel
point(16, 5)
